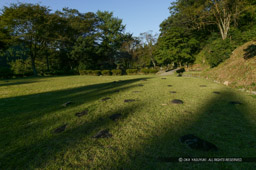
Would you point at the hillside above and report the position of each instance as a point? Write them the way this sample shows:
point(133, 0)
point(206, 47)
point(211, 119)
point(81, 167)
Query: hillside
point(239, 70)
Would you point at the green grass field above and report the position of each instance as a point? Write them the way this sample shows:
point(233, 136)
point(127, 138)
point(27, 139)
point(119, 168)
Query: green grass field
point(150, 127)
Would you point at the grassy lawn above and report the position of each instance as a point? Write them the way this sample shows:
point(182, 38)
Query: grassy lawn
point(150, 127)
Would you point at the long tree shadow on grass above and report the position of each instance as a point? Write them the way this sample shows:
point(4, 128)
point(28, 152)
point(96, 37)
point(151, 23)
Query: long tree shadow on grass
point(39, 153)
point(225, 124)
point(31, 105)
point(16, 83)
point(18, 112)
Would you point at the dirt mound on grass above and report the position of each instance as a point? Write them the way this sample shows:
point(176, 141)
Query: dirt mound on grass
point(239, 70)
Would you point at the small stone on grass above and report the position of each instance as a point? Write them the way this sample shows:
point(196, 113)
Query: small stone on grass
point(103, 134)
point(136, 91)
point(177, 101)
point(67, 103)
point(235, 103)
point(115, 117)
point(169, 85)
point(216, 92)
point(129, 100)
point(172, 91)
point(80, 114)
point(60, 129)
point(196, 143)
point(105, 99)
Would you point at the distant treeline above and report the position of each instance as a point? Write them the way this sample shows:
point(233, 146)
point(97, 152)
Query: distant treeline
point(35, 40)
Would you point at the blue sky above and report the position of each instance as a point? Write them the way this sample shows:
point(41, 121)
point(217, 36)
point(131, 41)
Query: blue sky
point(138, 15)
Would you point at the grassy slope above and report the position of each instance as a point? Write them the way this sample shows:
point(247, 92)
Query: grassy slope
point(239, 72)
point(30, 110)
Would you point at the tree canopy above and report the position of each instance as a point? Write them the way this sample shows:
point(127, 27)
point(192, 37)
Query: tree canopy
point(36, 40)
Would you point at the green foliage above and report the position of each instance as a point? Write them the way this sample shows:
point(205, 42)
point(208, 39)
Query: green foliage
point(220, 50)
point(149, 71)
point(67, 40)
point(21, 67)
point(83, 53)
point(116, 72)
point(85, 72)
point(131, 71)
point(27, 24)
point(5, 72)
point(181, 70)
point(176, 46)
point(96, 72)
point(153, 71)
point(217, 50)
point(90, 72)
point(106, 72)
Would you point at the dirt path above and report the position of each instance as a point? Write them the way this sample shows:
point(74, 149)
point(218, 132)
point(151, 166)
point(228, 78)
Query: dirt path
point(168, 72)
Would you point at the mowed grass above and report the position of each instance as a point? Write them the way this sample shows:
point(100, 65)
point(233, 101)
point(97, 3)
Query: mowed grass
point(31, 109)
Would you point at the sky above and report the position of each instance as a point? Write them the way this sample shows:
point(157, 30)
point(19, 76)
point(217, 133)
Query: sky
point(138, 15)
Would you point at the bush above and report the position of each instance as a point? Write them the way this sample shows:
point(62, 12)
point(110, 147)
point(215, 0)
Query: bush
point(131, 71)
point(5, 72)
point(85, 72)
point(62, 72)
point(96, 72)
point(90, 72)
point(116, 72)
point(153, 71)
point(21, 67)
point(145, 70)
point(149, 71)
point(181, 70)
point(106, 72)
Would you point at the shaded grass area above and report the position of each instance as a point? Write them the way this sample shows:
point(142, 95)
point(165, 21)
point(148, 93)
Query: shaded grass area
point(149, 128)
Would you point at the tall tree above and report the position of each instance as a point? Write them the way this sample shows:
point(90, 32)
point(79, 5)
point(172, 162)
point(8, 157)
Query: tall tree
point(149, 40)
point(111, 37)
point(27, 24)
point(221, 13)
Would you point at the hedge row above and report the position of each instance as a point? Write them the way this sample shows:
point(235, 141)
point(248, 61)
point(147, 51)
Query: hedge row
point(117, 72)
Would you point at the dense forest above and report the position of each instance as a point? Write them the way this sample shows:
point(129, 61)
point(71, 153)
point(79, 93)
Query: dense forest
point(34, 40)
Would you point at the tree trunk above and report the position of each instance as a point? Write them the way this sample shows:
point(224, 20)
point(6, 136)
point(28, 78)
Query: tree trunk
point(33, 65)
point(224, 25)
point(153, 62)
point(33, 58)
point(47, 62)
point(223, 19)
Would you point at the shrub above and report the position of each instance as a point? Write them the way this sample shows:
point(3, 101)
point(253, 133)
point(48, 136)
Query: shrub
point(106, 72)
point(153, 71)
point(131, 71)
point(145, 70)
point(21, 67)
point(181, 70)
point(116, 72)
point(85, 72)
point(5, 72)
point(149, 71)
point(96, 72)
